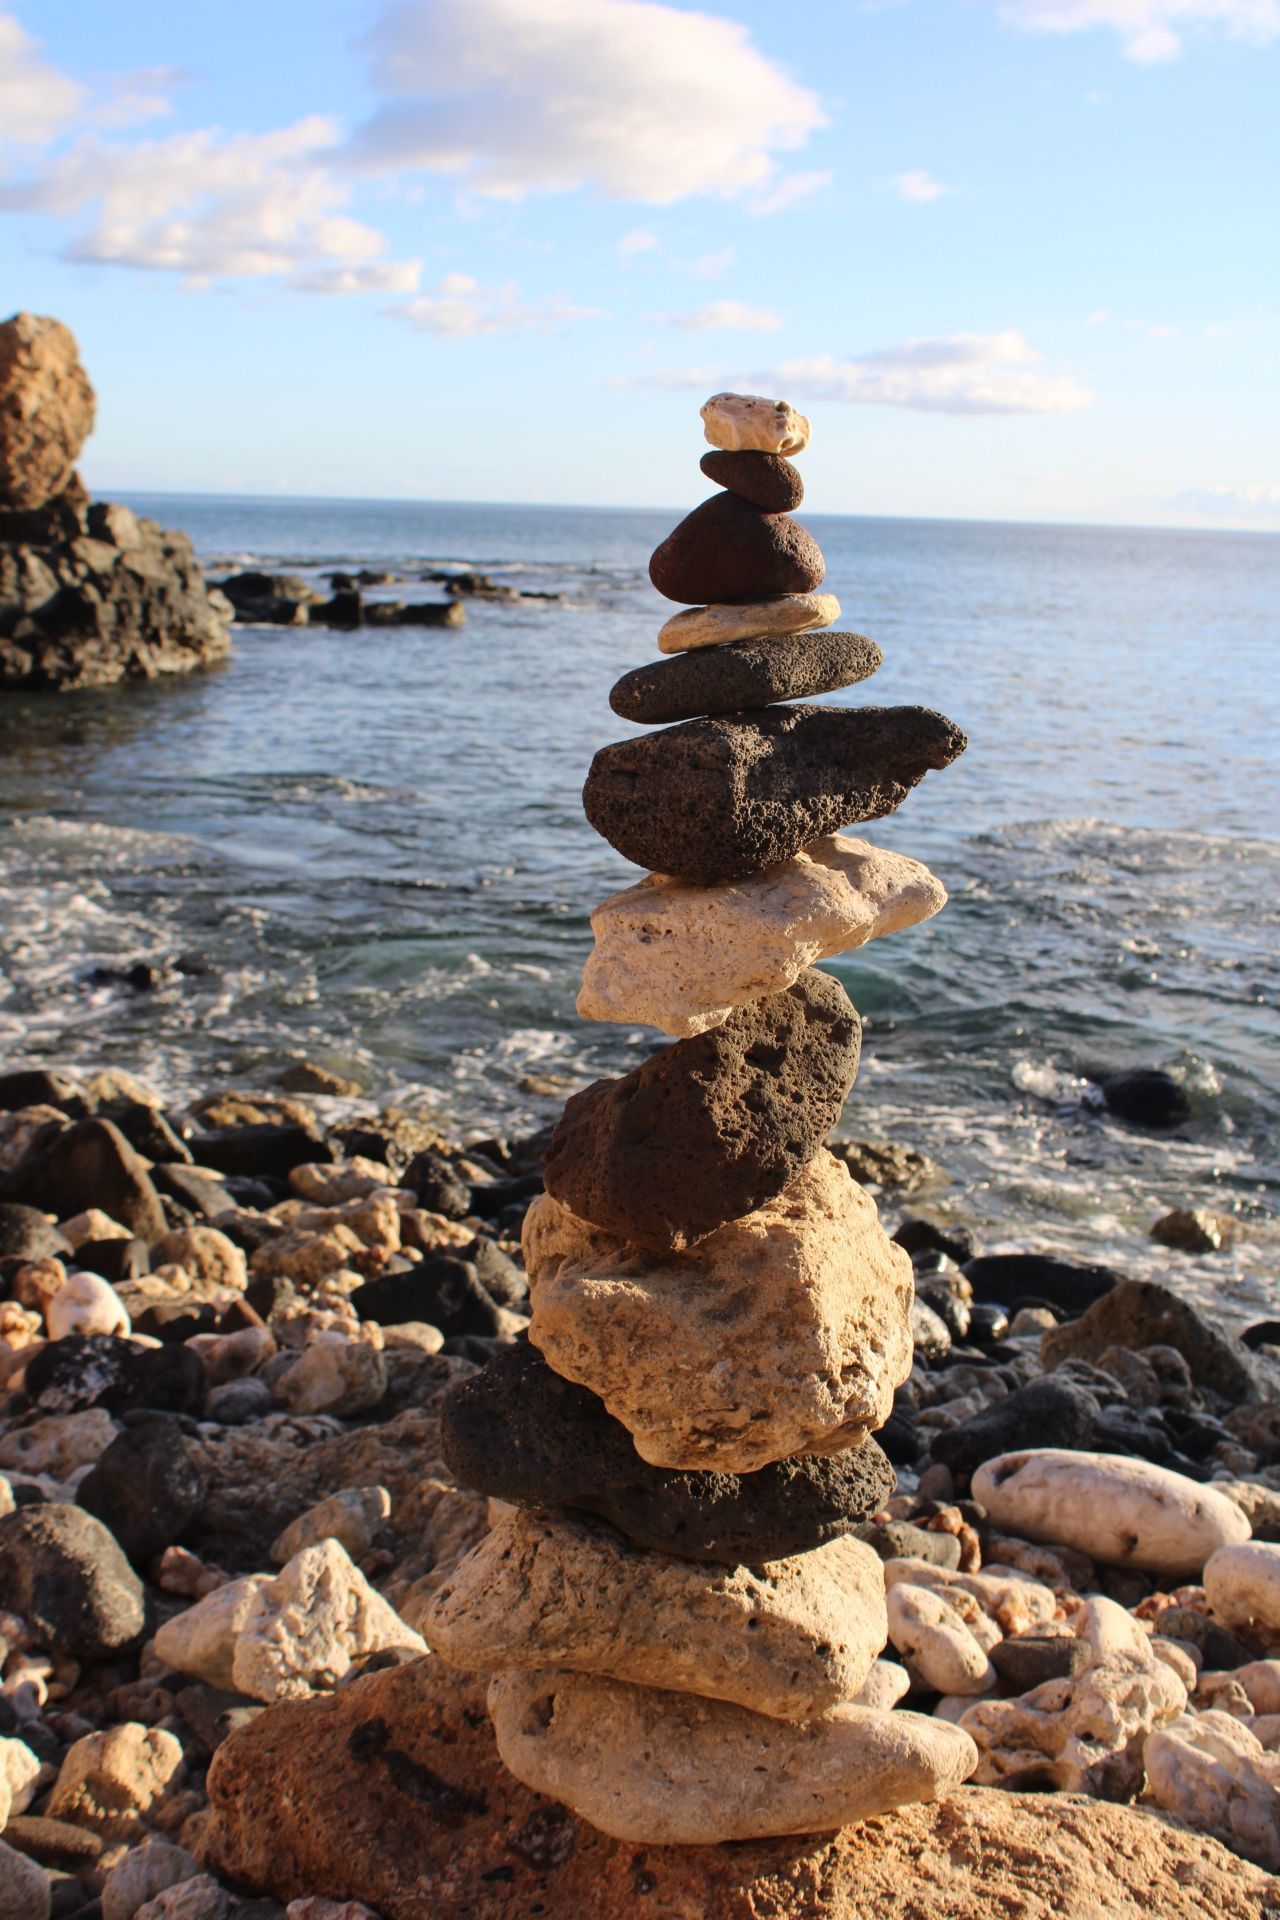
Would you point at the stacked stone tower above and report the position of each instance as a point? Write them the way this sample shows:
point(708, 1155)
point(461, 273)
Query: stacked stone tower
point(681, 1626)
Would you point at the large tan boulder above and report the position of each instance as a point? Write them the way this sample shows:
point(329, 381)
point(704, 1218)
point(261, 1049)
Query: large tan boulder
point(681, 957)
point(783, 1332)
point(791, 1639)
point(46, 409)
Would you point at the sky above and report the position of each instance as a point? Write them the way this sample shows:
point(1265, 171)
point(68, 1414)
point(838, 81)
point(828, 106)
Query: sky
point(1016, 259)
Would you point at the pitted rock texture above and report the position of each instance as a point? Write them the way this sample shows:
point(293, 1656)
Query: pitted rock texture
point(720, 798)
point(46, 409)
point(767, 480)
point(748, 422)
point(713, 1127)
point(727, 550)
point(1214, 1773)
point(666, 1769)
point(746, 674)
point(1083, 1734)
point(518, 1432)
point(677, 956)
point(783, 1332)
point(747, 620)
point(790, 1640)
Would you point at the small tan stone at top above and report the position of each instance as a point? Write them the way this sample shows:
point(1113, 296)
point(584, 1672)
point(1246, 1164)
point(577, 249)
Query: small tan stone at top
point(719, 625)
point(46, 409)
point(748, 423)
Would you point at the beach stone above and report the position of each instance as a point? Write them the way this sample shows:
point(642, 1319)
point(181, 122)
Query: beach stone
point(766, 480)
point(1261, 1681)
point(726, 550)
point(25, 1234)
point(352, 1517)
point(89, 1164)
point(1194, 1230)
point(747, 673)
point(46, 409)
point(99, 1370)
point(1007, 1278)
point(342, 1377)
point(1126, 1513)
point(932, 1634)
point(721, 798)
point(1147, 1096)
point(783, 1332)
point(518, 1432)
point(114, 1781)
point(1082, 1734)
point(19, 1774)
point(712, 1127)
point(1214, 1773)
point(26, 1892)
point(445, 1291)
point(141, 1874)
point(1142, 1313)
point(747, 422)
point(1243, 1585)
point(1045, 1407)
point(59, 1443)
point(658, 1768)
point(85, 1303)
point(791, 1639)
point(306, 1628)
point(718, 626)
point(201, 1640)
point(213, 1261)
point(899, 1540)
point(884, 1686)
point(147, 1488)
point(1027, 1660)
point(200, 1898)
point(64, 1574)
point(681, 957)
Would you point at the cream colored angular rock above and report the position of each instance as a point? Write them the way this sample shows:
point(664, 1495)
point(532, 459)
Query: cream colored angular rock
point(1243, 1585)
point(116, 1781)
point(930, 1632)
point(202, 1640)
point(1123, 1512)
point(668, 1769)
point(884, 1686)
point(306, 1627)
point(680, 957)
point(334, 1376)
point(748, 423)
point(1215, 1774)
point(783, 1332)
point(791, 1639)
point(722, 622)
point(211, 1258)
point(19, 1772)
point(1083, 1735)
point(351, 1517)
point(86, 1303)
point(92, 1224)
point(991, 1606)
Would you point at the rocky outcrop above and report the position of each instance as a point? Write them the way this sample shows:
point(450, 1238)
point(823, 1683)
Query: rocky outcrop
point(46, 410)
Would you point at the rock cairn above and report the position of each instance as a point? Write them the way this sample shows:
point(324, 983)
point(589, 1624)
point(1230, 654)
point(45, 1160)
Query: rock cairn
point(89, 593)
point(680, 1625)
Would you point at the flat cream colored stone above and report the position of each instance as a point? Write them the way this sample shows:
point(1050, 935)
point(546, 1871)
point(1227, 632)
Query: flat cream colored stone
point(783, 1332)
point(791, 1639)
point(748, 423)
point(1126, 1513)
point(1243, 1585)
point(680, 957)
point(668, 1769)
point(718, 624)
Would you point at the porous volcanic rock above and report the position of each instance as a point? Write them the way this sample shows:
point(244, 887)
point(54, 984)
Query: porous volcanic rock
point(677, 956)
point(717, 626)
point(790, 1640)
point(747, 673)
point(46, 409)
point(767, 480)
point(62, 1572)
point(783, 1332)
point(727, 550)
point(720, 798)
point(713, 1127)
point(518, 1432)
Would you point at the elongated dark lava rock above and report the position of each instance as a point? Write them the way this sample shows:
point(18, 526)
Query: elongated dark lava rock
point(719, 798)
point(727, 549)
point(713, 1127)
point(747, 673)
point(516, 1431)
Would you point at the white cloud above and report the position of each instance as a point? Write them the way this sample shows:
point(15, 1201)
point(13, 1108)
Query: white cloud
point(36, 101)
point(789, 189)
point(460, 308)
point(918, 186)
point(639, 240)
point(714, 266)
point(640, 100)
point(1099, 317)
point(1153, 329)
point(727, 316)
point(967, 373)
point(1258, 500)
point(1151, 30)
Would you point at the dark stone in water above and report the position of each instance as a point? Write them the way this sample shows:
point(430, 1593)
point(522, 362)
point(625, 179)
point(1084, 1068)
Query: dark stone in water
point(146, 1488)
point(923, 1236)
point(1047, 1413)
point(747, 673)
point(1263, 1333)
point(720, 798)
point(949, 1307)
point(726, 550)
point(1142, 1313)
point(766, 480)
point(90, 1164)
point(713, 1127)
point(33, 1087)
point(518, 1432)
point(1147, 1097)
point(988, 1322)
point(1004, 1277)
point(62, 1571)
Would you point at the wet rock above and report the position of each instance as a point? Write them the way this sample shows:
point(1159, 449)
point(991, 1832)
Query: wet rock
point(931, 1334)
point(1146, 1096)
point(988, 1323)
point(518, 1432)
point(717, 799)
point(744, 674)
point(146, 1489)
point(1044, 1412)
point(1194, 1230)
point(947, 1305)
point(306, 1628)
point(713, 1127)
point(765, 480)
point(1140, 1314)
point(64, 1573)
point(89, 1164)
point(1011, 1277)
point(886, 1164)
point(46, 409)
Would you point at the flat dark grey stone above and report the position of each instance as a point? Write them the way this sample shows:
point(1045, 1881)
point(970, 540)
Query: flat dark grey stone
point(747, 673)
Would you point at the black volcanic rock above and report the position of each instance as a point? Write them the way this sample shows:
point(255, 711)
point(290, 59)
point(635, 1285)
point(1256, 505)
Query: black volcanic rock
point(518, 1432)
point(1006, 1278)
point(717, 799)
point(766, 480)
point(747, 673)
point(710, 1128)
point(1046, 1413)
point(1146, 1097)
point(63, 1573)
point(726, 550)
point(146, 1488)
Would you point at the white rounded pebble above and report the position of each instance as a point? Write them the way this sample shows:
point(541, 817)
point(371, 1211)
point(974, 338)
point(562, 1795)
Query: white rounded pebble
point(85, 1303)
point(1243, 1585)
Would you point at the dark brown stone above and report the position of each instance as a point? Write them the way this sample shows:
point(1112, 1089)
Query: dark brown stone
point(726, 550)
point(710, 1128)
point(90, 1164)
point(748, 673)
point(517, 1431)
point(723, 797)
point(767, 480)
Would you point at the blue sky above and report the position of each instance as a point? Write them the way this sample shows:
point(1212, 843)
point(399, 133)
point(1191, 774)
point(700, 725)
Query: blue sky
point(1016, 260)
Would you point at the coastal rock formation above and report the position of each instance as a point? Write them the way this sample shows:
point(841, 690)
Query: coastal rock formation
point(89, 593)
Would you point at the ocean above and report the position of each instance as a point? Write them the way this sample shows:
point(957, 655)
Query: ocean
point(368, 848)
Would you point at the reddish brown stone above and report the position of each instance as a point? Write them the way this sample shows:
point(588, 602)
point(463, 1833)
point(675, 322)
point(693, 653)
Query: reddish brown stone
point(765, 479)
point(726, 550)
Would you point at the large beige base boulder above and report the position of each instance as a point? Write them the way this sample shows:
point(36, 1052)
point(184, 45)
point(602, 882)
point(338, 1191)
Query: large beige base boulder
point(791, 1639)
point(783, 1332)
